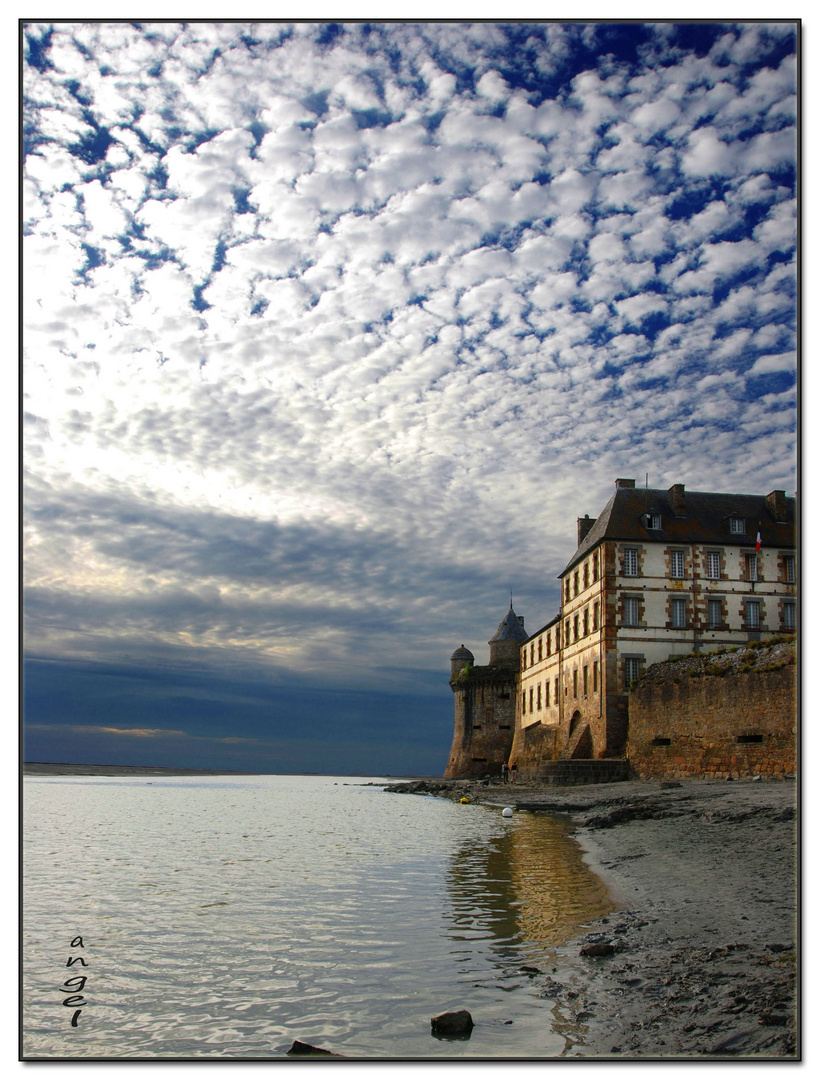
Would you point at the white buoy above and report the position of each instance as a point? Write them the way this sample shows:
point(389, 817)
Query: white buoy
point(507, 812)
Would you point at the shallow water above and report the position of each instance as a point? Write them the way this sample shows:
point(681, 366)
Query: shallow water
point(227, 916)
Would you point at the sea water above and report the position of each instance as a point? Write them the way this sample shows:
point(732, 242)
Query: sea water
point(227, 916)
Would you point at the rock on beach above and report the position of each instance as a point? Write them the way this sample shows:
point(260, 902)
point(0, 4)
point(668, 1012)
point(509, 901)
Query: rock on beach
point(454, 1022)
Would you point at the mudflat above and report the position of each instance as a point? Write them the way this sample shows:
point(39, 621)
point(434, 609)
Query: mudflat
point(699, 959)
point(37, 768)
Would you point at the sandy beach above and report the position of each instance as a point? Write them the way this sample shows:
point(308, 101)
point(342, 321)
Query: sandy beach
point(700, 958)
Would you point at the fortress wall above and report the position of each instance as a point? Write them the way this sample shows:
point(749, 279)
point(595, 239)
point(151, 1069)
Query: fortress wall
point(712, 726)
point(532, 746)
point(484, 723)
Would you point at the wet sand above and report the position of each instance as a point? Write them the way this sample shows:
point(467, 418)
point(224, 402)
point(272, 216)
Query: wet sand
point(699, 961)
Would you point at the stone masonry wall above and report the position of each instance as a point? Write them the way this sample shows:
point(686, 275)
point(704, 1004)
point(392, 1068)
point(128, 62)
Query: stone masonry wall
point(716, 716)
point(532, 746)
point(484, 722)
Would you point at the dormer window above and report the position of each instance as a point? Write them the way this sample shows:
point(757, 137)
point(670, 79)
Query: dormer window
point(652, 521)
point(737, 526)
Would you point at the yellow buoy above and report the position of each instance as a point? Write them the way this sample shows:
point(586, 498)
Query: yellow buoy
point(465, 799)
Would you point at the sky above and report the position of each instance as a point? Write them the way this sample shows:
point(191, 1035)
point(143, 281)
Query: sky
point(332, 330)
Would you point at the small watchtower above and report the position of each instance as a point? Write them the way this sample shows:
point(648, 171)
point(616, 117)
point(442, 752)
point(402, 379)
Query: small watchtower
point(505, 644)
point(462, 658)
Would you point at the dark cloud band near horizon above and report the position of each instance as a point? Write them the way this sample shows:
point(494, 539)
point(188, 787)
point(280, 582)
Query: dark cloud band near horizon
point(331, 331)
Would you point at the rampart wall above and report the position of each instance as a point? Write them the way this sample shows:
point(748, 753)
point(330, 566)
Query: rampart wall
point(719, 716)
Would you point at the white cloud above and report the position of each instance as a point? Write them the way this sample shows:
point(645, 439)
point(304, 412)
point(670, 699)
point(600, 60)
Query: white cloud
point(775, 364)
point(708, 155)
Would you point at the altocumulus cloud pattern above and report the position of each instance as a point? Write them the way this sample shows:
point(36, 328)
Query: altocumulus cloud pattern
point(332, 331)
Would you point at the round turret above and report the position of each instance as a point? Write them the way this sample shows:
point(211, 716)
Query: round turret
point(460, 659)
point(506, 641)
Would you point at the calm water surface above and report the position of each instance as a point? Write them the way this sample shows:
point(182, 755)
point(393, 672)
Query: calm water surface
point(227, 916)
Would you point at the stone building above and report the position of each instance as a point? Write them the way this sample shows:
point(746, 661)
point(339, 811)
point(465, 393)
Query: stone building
point(658, 574)
point(485, 700)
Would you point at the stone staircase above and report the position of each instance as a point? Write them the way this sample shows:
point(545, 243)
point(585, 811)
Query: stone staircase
point(582, 735)
point(583, 771)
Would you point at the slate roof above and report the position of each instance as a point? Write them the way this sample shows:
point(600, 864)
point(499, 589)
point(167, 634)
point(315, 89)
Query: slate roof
point(509, 629)
point(706, 520)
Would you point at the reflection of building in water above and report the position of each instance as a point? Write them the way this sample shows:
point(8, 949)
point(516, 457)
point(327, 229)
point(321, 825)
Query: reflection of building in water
point(530, 885)
point(555, 888)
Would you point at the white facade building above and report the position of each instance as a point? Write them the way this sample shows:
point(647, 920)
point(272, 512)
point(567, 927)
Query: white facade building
point(658, 574)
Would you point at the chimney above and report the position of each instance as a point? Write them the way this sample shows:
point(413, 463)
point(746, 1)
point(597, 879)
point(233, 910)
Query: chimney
point(621, 483)
point(776, 504)
point(677, 500)
point(584, 525)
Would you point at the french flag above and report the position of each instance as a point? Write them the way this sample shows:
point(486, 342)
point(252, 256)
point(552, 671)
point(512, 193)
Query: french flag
point(757, 542)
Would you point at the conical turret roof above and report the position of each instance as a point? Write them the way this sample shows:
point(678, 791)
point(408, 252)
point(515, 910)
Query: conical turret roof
point(509, 629)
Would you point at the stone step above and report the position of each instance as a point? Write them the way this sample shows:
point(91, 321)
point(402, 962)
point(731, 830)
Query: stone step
point(583, 771)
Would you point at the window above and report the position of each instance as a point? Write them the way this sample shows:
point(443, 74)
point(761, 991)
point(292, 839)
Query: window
point(575, 581)
point(586, 574)
point(715, 614)
point(595, 566)
point(595, 615)
point(737, 526)
point(713, 565)
point(595, 677)
point(752, 615)
point(586, 621)
point(751, 567)
point(653, 521)
point(575, 626)
point(631, 562)
point(530, 699)
point(788, 562)
point(556, 691)
point(586, 679)
point(632, 670)
point(539, 697)
point(549, 639)
point(679, 614)
point(547, 693)
point(678, 564)
point(630, 611)
point(540, 648)
point(789, 617)
point(575, 682)
point(566, 632)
